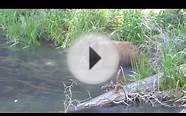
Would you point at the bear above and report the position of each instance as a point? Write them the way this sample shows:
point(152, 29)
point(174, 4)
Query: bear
point(126, 51)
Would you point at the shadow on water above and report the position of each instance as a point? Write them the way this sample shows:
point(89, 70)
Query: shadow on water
point(31, 80)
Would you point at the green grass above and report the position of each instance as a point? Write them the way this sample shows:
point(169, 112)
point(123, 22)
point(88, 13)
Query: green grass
point(172, 60)
point(25, 28)
point(142, 68)
point(173, 55)
point(173, 77)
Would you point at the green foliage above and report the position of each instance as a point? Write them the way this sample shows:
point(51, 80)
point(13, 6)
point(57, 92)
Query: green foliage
point(142, 68)
point(172, 60)
point(61, 26)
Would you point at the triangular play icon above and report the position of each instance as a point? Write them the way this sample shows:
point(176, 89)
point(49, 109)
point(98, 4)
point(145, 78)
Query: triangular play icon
point(93, 58)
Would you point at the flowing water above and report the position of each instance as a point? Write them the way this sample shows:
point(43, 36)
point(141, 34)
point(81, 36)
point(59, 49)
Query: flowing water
point(31, 80)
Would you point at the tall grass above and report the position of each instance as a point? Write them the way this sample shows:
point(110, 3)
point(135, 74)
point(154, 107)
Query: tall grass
point(173, 77)
point(61, 26)
point(172, 62)
point(173, 54)
point(142, 68)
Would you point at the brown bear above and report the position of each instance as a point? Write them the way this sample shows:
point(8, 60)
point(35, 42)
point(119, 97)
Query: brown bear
point(126, 51)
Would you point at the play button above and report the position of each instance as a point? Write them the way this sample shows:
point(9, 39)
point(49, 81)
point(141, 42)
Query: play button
point(93, 58)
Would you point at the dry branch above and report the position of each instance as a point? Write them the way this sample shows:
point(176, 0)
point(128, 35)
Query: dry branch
point(148, 84)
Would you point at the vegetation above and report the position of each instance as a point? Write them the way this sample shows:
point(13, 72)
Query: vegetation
point(142, 69)
point(173, 54)
point(28, 27)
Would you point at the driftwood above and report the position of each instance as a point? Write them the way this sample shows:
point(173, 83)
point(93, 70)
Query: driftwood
point(148, 84)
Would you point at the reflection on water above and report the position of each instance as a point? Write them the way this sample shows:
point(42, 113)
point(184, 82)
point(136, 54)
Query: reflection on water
point(31, 80)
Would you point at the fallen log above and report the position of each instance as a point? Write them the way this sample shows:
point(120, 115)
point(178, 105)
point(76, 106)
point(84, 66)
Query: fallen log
point(148, 84)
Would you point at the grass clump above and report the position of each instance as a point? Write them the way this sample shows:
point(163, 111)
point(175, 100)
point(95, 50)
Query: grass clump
point(172, 63)
point(131, 29)
point(173, 54)
point(21, 26)
point(142, 68)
